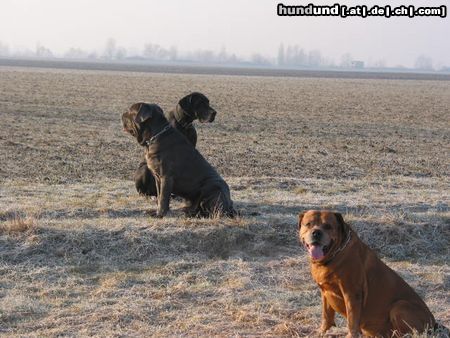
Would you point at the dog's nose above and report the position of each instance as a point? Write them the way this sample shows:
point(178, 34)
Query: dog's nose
point(212, 116)
point(316, 235)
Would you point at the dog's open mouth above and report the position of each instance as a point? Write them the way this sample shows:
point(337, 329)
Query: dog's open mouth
point(317, 251)
point(206, 117)
point(205, 120)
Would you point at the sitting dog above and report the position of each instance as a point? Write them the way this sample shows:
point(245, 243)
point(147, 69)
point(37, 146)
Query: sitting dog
point(191, 107)
point(176, 165)
point(356, 283)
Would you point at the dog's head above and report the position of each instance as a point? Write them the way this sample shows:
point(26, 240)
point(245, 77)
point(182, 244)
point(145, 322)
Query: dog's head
point(142, 120)
point(197, 106)
point(321, 232)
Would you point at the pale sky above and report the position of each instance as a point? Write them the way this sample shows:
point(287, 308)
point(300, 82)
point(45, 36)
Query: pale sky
point(243, 27)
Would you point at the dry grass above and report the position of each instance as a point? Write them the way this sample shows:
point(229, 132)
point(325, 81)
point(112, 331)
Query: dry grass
point(79, 255)
point(17, 225)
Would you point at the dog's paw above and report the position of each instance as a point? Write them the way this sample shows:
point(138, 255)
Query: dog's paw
point(160, 214)
point(321, 331)
point(189, 212)
point(324, 328)
point(152, 213)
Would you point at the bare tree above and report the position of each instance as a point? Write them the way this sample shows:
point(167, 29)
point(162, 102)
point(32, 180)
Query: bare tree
point(120, 53)
point(43, 52)
point(233, 59)
point(346, 60)
point(315, 58)
point(76, 53)
point(381, 63)
point(110, 49)
point(173, 53)
point(4, 49)
point(92, 56)
point(281, 59)
point(150, 51)
point(222, 57)
point(259, 59)
point(289, 55)
point(423, 62)
point(204, 56)
point(299, 56)
point(153, 51)
point(328, 61)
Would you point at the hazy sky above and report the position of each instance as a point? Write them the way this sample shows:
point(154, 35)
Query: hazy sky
point(243, 27)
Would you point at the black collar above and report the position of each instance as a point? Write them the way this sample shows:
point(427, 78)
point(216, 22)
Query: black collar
point(183, 118)
point(162, 131)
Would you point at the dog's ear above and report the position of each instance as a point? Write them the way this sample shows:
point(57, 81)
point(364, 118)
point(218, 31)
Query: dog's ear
point(190, 101)
point(343, 227)
point(186, 103)
point(144, 113)
point(199, 98)
point(300, 217)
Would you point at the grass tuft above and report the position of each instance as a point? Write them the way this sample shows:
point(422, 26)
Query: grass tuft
point(18, 224)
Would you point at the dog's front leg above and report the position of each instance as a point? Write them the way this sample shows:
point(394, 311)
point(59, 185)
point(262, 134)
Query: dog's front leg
point(327, 316)
point(164, 191)
point(353, 304)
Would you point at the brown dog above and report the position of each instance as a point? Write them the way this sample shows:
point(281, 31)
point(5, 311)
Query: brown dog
point(356, 283)
point(178, 168)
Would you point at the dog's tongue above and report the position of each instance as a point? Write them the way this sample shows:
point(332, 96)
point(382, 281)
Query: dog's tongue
point(316, 252)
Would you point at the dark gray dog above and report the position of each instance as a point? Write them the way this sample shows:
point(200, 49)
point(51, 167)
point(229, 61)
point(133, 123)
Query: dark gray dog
point(176, 165)
point(191, 107)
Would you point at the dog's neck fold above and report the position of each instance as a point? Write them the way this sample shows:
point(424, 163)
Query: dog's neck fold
point(183, 117)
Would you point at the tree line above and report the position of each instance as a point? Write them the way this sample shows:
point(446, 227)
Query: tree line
point(289, 56)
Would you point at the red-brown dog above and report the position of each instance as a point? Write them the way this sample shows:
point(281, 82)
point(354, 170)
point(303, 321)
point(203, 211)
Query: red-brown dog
point(354, 282)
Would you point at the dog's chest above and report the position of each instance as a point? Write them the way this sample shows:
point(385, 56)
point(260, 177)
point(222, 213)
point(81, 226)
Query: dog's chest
point(334, 299)
point(330, 289)
point(154, 162)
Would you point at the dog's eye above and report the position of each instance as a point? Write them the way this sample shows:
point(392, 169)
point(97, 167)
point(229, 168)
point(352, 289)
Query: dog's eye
point(307, 225)
point(327, 226)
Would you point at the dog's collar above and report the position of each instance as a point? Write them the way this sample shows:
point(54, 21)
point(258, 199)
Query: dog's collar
point(182, 117)
point(349, 237)
point(153, 138)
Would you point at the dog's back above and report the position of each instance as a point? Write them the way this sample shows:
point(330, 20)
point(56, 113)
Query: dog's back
point(187, 129)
